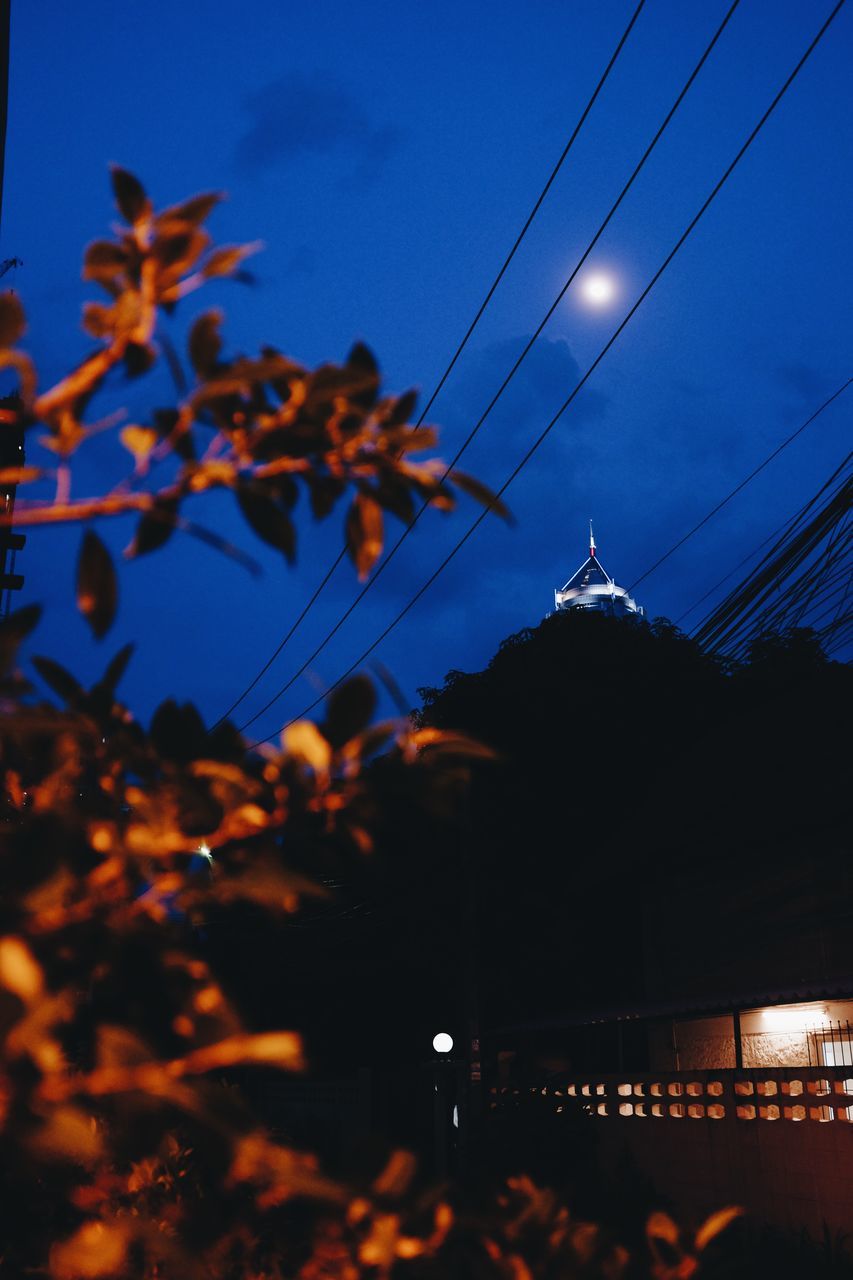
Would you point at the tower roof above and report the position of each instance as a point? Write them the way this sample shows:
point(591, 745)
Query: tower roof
point(591, 587)
point(590, 574)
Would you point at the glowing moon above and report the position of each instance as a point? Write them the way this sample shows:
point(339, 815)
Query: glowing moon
point(598, 289)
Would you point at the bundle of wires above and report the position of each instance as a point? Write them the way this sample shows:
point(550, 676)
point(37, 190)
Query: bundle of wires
point(803, 580)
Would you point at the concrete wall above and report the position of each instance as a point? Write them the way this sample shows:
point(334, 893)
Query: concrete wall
point(776, 1142)
point(790, 1175)
point(784, 1036)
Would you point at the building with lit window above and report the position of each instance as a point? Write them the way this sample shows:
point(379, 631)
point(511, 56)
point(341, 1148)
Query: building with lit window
point(715, 1056)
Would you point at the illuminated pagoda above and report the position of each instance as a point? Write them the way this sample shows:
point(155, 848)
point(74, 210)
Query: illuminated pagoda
point(592, 588)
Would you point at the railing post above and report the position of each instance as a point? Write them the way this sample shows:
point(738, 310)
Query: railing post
point(738, 1040)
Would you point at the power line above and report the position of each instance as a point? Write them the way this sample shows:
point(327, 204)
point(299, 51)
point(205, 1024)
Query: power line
point(777, 532)
point(461, 347)
point(613, 338)
point(779, 448)
point(524, 353)
point(785, 529)
point(786, 574)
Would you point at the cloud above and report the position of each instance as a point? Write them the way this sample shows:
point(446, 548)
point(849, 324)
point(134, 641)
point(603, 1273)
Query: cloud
point(542, 384)
point(807, 382)
point(299, 115)
point(543, 491)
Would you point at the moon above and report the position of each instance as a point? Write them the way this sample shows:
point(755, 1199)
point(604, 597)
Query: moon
point(598, 289)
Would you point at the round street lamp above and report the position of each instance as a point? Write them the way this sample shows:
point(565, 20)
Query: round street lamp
point(442, 1043)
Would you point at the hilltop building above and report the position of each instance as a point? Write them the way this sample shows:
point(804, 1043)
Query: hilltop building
point(593, 588)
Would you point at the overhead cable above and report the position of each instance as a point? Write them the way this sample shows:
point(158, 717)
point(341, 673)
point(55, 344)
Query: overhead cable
point(737, 489)
point(460, 348)
point(512, 372)
point(591, 369)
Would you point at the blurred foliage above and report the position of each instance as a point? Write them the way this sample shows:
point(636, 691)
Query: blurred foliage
point(263, 426)
point(127, 1147)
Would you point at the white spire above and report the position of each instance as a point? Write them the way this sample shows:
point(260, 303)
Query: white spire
point(591, 587)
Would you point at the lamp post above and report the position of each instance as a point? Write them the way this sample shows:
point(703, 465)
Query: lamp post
point(443, 1079)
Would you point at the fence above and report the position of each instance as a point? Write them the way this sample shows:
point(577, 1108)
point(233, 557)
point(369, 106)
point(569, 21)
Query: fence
point(777, 1141)
point(820, 1094)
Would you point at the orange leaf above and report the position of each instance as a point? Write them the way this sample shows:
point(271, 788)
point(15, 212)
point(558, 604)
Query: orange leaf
point(139, 441)
point(364, 530)
point(717, 1222)
point(660, 1226)
point(277, 1048)
point(397, 1175)
point(305, 741)
point(67, 1134)
point(96, 1249)
point(19, 971)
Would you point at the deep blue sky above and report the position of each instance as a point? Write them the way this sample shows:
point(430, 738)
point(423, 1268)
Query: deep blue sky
point(387, 154)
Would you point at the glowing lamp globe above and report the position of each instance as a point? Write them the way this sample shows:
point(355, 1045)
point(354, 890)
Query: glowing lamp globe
point(442, 1043)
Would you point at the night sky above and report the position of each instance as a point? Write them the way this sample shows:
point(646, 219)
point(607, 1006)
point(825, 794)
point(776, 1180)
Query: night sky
point(387, 155)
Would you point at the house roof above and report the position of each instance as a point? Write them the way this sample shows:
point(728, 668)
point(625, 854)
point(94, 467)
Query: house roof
point(700, 1006)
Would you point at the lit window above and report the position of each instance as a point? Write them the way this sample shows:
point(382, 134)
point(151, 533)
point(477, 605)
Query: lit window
point(835, 1051)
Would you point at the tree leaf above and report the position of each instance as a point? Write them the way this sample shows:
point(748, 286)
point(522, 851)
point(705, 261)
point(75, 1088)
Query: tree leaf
point(13, 630)
point(139, 357)
point(481, 493)
point(67, 1134)
point(323, 492)
point(205, 343)
point(363, 359)
point(286, 488)
point(194, 210)
point(116, 668)
point(281, 1049)
point(364, 528)
point(660, 1226)
point(165, 421)
point(268, 520)
point(138, 440)
point(97, 585)
point(154, 529)
point(131, 197)
point(717, 1222)
point(402, 409)
point(179, 249)
point(95, 1250)
point(226, 261)
point(305, 741)
point(349, 710)
point(13, 322)
point(103, 260)
point(394, 495)
point(99, 320)
point(58, 679)
point(20, 972)
point(396, 1178)
point(176, 731)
